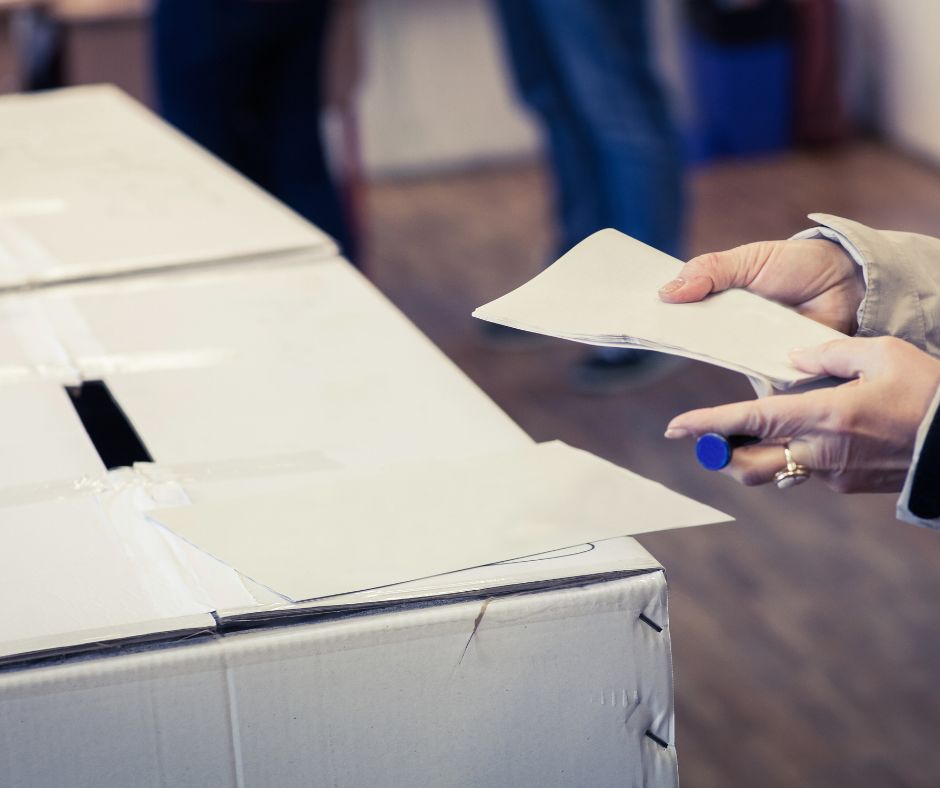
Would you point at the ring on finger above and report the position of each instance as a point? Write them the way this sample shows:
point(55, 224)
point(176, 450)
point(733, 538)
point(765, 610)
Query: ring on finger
point(793, 474)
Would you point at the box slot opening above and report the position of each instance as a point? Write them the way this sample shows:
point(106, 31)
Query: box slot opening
point(112, 434)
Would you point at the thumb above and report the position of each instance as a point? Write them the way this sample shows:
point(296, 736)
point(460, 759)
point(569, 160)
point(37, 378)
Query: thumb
point(842, 358)
point(714, 272)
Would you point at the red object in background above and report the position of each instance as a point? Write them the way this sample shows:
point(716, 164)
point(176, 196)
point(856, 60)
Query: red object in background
point(819, 115)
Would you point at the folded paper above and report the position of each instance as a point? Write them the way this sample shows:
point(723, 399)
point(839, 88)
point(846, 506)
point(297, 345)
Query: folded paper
point(605, 292)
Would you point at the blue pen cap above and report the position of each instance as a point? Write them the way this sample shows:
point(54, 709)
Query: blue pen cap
point(713, 451)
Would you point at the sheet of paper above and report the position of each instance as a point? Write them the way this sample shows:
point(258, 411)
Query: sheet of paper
point(604, 292)
point(416, 521)
point(605, 557)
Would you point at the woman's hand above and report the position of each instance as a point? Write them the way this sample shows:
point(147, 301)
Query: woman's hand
point(857, 437)
point(815, 277)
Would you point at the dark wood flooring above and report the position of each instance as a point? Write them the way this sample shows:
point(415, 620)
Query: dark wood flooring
point(806, 635)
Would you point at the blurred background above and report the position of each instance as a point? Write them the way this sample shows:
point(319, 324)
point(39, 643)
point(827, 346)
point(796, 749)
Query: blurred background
point(455, 147)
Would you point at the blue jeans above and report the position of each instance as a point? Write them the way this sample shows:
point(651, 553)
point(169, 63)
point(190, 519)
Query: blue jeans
point(242, 78)
point(582, 66)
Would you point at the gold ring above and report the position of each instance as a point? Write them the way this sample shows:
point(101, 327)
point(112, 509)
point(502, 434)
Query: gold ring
point(793, 474)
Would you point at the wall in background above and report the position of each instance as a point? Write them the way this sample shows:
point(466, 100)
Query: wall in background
point(435, 93)
point(892, 60)
point(436, 96)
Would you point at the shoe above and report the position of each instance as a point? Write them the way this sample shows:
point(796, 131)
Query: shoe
point(608, 370)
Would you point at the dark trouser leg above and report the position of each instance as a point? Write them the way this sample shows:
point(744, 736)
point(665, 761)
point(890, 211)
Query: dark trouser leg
point(242, 78)
point(297, 164)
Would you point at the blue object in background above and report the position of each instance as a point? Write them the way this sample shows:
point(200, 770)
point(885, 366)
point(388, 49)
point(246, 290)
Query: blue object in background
point(743, 96)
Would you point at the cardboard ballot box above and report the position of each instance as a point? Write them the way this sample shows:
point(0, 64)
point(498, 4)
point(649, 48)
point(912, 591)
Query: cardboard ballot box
point(131, 656)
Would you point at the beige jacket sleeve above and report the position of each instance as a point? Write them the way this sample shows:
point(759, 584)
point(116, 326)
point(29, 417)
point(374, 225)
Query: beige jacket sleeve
point(902, 299)
point(902, 278)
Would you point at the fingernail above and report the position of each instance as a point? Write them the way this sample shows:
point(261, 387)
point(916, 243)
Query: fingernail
point(797, 351)
point(671, 287)
point(676, 432)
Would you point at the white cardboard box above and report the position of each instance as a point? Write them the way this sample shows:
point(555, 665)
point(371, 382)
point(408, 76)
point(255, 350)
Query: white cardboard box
point(127, 658)
point(561, 676)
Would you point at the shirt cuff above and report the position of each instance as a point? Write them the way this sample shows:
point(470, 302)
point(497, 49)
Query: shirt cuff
point(926, 490)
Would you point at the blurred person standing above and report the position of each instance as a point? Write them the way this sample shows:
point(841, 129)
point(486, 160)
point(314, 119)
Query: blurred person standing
point(584, 68)
point(244, 78)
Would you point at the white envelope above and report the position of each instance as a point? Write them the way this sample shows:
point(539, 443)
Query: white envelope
point(605, 292)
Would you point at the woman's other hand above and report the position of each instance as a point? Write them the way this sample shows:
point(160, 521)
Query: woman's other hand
point(856, 437)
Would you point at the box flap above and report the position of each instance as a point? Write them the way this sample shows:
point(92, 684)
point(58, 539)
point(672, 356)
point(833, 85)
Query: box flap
point(47, 450)
point(271, 362)
point(94, 184)
point(72, 570)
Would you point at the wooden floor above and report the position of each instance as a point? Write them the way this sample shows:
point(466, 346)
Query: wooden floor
point(806, 635)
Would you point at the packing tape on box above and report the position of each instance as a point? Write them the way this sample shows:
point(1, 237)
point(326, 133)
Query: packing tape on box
point(58, 343)
point(75, 371)
point(36, 206)
point(23, 260)
point(158, 480)
point(238, 468)
point(45, 352)
point(95, 367)
point(125, 496)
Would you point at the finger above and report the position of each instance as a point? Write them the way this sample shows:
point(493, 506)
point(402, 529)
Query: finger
point(774, 417)
point(843, 358)
point(753, 465)
point(714, 272)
